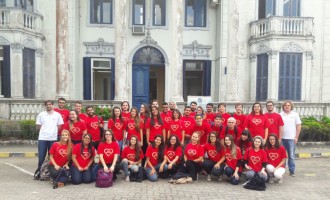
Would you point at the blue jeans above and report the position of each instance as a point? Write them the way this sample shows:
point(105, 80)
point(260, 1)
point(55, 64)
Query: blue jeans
point(154, 177)
point(78, 177)
point(120, 143)
point(43, 148)
point(229, 173)
point(290, 148)
point(250, 175)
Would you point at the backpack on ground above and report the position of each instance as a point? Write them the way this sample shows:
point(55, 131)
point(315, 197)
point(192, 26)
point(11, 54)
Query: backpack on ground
point(44, 173)
point(256, 183)
point(62, 176)
point(104, 179)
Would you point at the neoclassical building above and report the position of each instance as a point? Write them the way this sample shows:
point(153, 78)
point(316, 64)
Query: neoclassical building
point(139, 50)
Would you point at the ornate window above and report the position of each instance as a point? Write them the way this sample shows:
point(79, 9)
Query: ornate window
point(148, 55)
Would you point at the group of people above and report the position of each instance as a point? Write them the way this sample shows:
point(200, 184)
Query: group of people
point(168, 143)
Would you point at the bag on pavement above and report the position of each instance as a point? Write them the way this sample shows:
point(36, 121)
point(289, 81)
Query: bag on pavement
point(256, 183)
point(104, 179)
point(44, 173)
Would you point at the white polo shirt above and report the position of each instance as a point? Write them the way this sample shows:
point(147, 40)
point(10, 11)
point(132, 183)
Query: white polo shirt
point(49, 123)
point(291, 121)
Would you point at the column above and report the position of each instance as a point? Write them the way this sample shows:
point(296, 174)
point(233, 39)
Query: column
point(253, 76)
point(16, 62)
point(273, 75)
point(121, 86)
point(38, 68)
point(307, 79)
point(176, 65)
point(62, 79)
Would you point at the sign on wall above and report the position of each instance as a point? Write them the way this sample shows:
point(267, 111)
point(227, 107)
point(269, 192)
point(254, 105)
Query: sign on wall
point(201, 100)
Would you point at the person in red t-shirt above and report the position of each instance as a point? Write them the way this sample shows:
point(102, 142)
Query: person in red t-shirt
point(118, 126)
point(125, 114)
point(94, 125)
point(222, 112)
point(60, 155)
point(213, 150)
point(82, 157)
point(255, 159)
point(144, 116)
point(131, 156)
point(245, 141)
point(135, 126)
point(173, 153)
point(175, 126)
point(256, 122)
point(76, 127)
point(202, 127)
point(187, 122)
point(239, 115)
point(276, 159)
point(193, 106)
point(209, 114)
point(154, 126)
point(78, 107)
point(275, 121)
point(108, 151)
point(155, 162)
point(193, 158)
point(231, 129)
point(200, 111)
point(63, 112)
point(166, 116)
point(217, 125)
point(233, 158)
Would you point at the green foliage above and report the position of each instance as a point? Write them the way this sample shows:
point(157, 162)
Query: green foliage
point(315, 130)
point(105, 113)
point(28, 129)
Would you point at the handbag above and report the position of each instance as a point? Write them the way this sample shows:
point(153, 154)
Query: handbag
point(104, 179)
point(256, 183)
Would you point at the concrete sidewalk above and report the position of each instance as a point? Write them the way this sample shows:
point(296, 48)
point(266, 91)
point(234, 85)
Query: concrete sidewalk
point(31, 151)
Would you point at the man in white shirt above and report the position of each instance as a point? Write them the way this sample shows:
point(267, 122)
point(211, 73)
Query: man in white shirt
point(48, 122)
point(290, 134)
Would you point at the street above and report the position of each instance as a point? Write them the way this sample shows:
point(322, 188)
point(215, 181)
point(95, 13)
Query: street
point(311, 182)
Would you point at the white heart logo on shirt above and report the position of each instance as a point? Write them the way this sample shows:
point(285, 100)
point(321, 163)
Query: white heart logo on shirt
point(63, 152)
point(131, 157)
point(118, 126)
point(273, 156)
point(170, 154)
point(85, 155)
point(228, 156)
point(192, 152)
point(255, 159)
point(174, 127)
point(108, 152)
point(155, 155)
point(75, 130)
point(131, 126)
point(256, 121)
point(187, 124)
point(213, 153)
point(95, 125)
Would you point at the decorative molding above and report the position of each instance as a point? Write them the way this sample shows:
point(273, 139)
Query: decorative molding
point(263, 49)
point(292, 47)
point(253, 57)
point(39, 52)
point(309, 55)
point(196, 50)
point(148, 55)
point(29, 43)
point(148, 40)
point(4, 41)
point(16, 47)
point(100, 47)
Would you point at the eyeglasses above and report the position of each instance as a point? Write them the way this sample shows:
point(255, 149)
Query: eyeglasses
point(87, 138)
point(107, 134)
point(269, 105)
point(198, 118)
point(212, 137)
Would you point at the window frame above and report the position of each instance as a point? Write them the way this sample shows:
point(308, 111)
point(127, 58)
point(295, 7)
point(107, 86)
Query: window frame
point(164, 10)
point(93, 69)
point(22, 4)
point(262, 77)
point(205, 17)
point(133, 13)
point(91, 13)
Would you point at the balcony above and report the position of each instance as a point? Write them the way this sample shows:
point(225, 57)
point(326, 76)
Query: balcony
point(20, 20)
point(278, 26)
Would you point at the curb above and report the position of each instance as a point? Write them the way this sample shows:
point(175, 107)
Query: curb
point(312, 155)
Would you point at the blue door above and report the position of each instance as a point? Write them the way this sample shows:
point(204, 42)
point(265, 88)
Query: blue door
point(140, 85)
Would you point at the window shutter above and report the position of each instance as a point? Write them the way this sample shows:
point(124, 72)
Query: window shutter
point(262, 77)
point(87, 78)
point(5, 81)
point(207, 78)
point(112, 82)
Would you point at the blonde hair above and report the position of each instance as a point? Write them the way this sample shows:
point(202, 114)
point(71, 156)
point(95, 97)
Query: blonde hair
point(287, 101)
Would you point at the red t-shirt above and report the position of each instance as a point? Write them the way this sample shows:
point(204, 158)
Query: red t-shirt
point(157, 129)
point(212, 152)
point(210, 117)
point(171, 154)
point(126, 115)
point(204, 130)
point(256, 124)
point(230, 161)
point(129, 154)
point(217, 129)
point(176, 129)
point(243, 145)
point(152, 153)
point(59, 153)
point(82, 116)
point(232, 132)
point(225, 117)
point(275, 156)
point(84, 158)
point(274, 122)
point(109, 151)
point(92, 124)
point(64, 113)
point(167, 118)
point(187, 123)
point(192, 114)
point(117, 128)
point(77, 129)
point(240, 120)
point(131, 130)
point(194, 151)
point(255, 158)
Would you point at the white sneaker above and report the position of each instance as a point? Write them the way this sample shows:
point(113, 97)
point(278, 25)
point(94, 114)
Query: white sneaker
point(271, 180)
point(280, 180)
point(127, 179)
point(208, 178)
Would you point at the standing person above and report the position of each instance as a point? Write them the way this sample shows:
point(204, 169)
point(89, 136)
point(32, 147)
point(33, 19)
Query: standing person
point(155, 163)
point(48, 123)
point(256, 122)
point(222, 112)
point(175, 126)
point(255, 159)
point(94, 124)
point(187, 123)
point(154, 103)
point(193, 106)
point(166, 116)
point(173, 153)
point(275, 122)
point(78, 107)
point(135, 126)
point(210, 115)
point(276, 159)
point(144, 116)
point(291, 131)
point(109, 151)
point(172, 106)
point(63, 112)
point(231, 129)
point(131, 156)
point(245, 141)
point(118, 126)
point(60, 156)
point(125, 114)
point(202, 127)
point(239, 115)
point(82, 159)
point(154, 126)
point(76, 127)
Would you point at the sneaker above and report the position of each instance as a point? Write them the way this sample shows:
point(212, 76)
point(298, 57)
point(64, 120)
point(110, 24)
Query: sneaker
point(292, 174)
point(208, 178)
point(171, 181)
point(189, 179)
point(279, 180)
point(60, 184)
point(127, 179)
point(271, 180)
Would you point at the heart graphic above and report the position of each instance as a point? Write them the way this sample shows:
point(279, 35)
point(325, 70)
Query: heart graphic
point(192, 152)
point(63, 152)
point(273, 156)
point(170, 154)
point(256, 121)
point(187, 124)
point(213, 153)
point(156, 126)
point(168, 119)
point(201, 133)
point(228, 156)
point(75, 130)
point(131, 157)
point(255, 159)
point(95, 125)
point(85, 155)
point(271, 121)
point(174, 127)
point(238, 122)
point(155, 155)
point(118, 125)
point(108, 152)
point(131, 126)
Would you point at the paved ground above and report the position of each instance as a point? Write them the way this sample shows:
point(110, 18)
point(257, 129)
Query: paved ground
point(312, 182)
